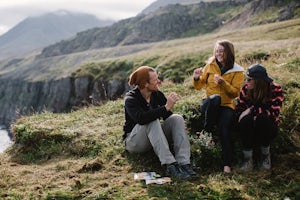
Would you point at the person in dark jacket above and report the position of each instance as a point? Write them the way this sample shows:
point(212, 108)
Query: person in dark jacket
point(145, 106)
point(258, 108)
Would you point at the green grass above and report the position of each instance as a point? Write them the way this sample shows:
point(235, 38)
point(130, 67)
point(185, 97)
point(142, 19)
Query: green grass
point(80, 155)
point(84, 158)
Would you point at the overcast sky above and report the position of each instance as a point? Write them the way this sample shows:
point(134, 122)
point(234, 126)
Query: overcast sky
point(14, 11)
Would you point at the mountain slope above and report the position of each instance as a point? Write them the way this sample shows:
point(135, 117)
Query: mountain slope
point(169, 22)
point(177, 21)
point(162, 3)
point(37, 32)
point(60, 83)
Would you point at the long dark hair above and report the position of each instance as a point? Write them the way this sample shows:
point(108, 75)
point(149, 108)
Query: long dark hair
point(228, 51)
point(261, 93)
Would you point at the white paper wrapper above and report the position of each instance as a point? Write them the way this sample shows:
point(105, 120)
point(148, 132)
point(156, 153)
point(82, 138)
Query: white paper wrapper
point(159, 181)
point(146, 176)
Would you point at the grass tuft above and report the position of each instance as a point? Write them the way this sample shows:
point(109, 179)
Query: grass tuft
point(80, 155)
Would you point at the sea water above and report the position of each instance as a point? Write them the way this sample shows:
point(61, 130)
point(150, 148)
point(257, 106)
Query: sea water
point(5, 140)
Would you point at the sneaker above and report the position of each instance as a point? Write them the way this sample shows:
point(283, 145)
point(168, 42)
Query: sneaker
point(266, 161)
point(247, 165)
point(188, 169)
point(174, 170)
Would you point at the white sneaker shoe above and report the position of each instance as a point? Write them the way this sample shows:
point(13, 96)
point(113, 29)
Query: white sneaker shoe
point(266, 161)
point(247, 165)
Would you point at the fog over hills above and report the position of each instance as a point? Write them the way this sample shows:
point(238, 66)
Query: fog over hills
point(37, 32)
point(161, 3)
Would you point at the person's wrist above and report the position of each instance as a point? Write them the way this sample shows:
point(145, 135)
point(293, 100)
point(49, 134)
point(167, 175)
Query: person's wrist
point(167, 108)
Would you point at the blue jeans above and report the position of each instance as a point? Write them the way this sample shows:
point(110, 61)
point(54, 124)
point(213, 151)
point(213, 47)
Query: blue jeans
point(220, 116)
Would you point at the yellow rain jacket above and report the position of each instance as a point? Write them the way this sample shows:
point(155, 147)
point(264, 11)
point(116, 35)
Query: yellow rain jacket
point(228, 90)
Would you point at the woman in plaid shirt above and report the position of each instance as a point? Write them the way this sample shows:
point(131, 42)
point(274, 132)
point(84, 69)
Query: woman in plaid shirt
point(258, 109)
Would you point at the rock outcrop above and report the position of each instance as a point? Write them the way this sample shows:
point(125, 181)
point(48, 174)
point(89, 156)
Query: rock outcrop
point(20, 97)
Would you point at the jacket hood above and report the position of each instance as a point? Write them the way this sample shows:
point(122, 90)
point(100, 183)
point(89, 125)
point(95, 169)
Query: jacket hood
point(236, 68)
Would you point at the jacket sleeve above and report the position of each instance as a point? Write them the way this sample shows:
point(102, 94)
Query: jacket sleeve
point(199, 84)
point(273, 107)
point(141, 116)
point(241, 102)
point(232, 89)
point(277, 100)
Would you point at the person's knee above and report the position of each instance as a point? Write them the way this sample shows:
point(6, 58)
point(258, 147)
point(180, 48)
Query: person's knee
point(248, 119)
point(264, 120)
point(215, 100)
point(177, 117)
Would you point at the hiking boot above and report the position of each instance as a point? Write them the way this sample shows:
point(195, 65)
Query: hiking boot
point(188, 169)
point(174, 170)
point(266, 161)
point(247, 165)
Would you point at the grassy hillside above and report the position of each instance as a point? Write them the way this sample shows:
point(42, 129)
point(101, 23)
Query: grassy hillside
point(176, 59)
point(178, 21)
point(267, 38)
point(80, 155)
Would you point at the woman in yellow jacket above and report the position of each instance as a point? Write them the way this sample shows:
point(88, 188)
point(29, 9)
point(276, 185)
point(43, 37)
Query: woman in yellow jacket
point(222, 79)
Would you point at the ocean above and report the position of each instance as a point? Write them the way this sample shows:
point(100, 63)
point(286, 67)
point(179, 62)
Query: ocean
point(5, 140)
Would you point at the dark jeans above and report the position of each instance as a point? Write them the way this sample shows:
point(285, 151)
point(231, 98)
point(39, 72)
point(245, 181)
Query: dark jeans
point(259, 132)
point(222, 117)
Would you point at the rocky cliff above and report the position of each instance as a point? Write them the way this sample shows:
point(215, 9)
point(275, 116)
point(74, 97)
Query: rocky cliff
point(33, 84)
point(20, 97)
